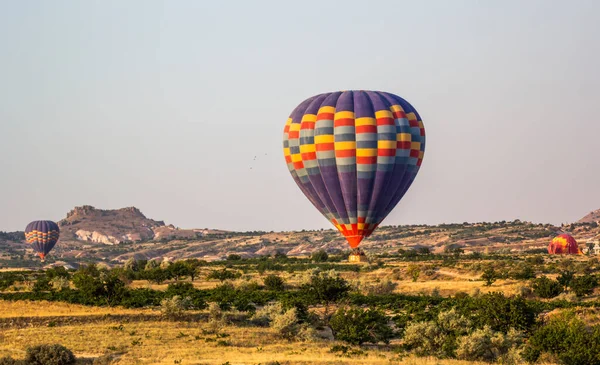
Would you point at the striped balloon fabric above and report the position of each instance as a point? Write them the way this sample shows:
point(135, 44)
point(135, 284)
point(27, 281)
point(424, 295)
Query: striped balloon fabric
point(42, 235)
point(354, 154)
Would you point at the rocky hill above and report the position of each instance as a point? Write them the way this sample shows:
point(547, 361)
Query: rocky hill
point(591, 217)
point(113, 236)
point(111, 227)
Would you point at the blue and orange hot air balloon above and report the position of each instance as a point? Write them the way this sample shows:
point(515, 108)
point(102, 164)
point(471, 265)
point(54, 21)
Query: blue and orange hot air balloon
point(563, 244)
point(354, 154)
point(42, 236)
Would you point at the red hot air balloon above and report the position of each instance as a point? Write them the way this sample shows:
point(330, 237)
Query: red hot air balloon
point(563, 244)
point(42, 236)
point(354, 154)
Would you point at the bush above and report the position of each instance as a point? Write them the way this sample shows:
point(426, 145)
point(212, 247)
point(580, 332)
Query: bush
point(525, 272)
point(284, 321)
point(439, 337)
point(487, 345)
point(584, 285)
point(565, 278)
point(7, 360)
point(223, 275)
point(216, 318)
point(42, 284)
point(546, 288)
point(501, 313)
point(49, 355)
point(319, 256)
point(274, 282)
point(489, 275)
point(384, 287)
point(357, 326)
point(59, 283)
point(174, 307)
point(568, 339)
point(424, 338)
point(263, 316)
point(413, 271)
point(286, 324)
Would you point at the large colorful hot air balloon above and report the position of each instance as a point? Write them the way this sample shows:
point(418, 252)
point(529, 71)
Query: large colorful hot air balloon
point(354, 154)
point(563, 244)
point(42, 235)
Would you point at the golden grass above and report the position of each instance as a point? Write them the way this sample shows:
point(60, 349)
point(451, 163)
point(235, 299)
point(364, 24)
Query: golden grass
point(26, 308)
point(155, 342)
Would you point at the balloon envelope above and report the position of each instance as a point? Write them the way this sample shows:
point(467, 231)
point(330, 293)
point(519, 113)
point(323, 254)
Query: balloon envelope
point(42, 235)
point(563, 244)
point(354, 154)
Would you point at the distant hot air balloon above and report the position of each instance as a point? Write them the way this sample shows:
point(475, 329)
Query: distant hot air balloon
point(563, 244)
point(354, 154)
point(42, 235)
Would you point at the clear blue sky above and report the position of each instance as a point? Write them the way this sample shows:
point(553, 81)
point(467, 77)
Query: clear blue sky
point(163, 105)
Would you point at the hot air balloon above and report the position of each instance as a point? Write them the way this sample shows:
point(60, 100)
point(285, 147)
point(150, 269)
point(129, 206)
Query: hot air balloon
point(563, 244)
point(354, 154)
point(42, 235)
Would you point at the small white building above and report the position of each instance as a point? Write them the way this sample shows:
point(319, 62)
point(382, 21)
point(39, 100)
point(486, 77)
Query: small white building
point(596, 249)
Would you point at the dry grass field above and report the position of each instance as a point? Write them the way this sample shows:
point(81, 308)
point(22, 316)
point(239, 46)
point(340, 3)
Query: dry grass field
point(144, 336)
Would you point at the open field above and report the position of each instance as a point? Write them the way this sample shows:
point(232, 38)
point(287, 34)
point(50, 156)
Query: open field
point(129, 324)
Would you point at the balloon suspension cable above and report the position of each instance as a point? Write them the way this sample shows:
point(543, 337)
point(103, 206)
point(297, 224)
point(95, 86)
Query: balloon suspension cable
point(358, 251)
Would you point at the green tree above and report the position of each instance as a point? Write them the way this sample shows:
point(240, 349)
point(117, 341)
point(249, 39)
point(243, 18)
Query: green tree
point(223, 275)
point(326, 288)
point(414, 271)
point(489, 275)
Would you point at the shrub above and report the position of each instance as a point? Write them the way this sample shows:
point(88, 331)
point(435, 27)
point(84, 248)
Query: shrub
point(319, 256)
point(565, 278)
point(59, 283)
point(568, 339)
point(357, 326)
point(413, 271)
point(501, 313)
point(234, 257)
point(216, 318)
point(424, 338)
point(490, 276)
point(223, 275)
point(41, 284)
point(384, 287)
point(439, 337)
point(151, 264)
point(263, 316)
point(487, 345)
point(49, 355)
point(7, 360)
point(286, 324)
point(274, 282)
point(546, 288)
point(584, 285)
point(175, 306)
point(452, 322)
point(525, 272)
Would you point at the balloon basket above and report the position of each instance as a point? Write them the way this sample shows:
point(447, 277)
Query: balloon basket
point(357, 256)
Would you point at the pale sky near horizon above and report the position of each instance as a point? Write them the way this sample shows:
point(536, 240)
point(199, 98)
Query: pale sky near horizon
point(163, 105)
